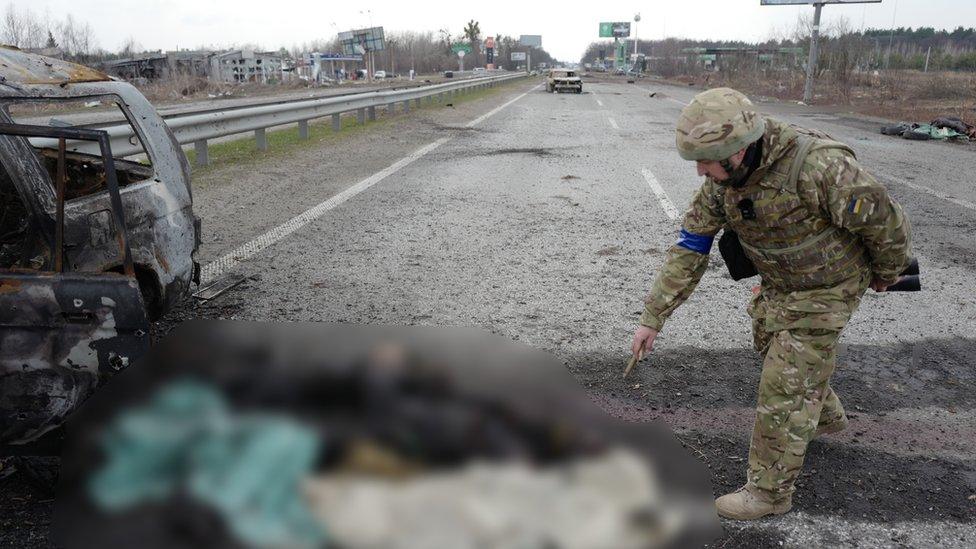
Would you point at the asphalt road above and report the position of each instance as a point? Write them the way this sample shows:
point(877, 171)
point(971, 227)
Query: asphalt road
point(546, 220)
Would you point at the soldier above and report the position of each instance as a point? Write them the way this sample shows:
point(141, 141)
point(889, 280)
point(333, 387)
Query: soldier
point(819, 230)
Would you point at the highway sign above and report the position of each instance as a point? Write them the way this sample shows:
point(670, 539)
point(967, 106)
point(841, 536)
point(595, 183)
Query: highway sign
point(802, 2)
point(461, 46)
point(361, 41)
point(620, 29)
point(533, 40)
point(518, 56)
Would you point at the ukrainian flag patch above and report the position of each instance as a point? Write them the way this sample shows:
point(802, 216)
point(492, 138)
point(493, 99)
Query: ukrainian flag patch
point(855, 206)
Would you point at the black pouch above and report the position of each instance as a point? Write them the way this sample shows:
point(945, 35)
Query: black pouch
point(739, 265)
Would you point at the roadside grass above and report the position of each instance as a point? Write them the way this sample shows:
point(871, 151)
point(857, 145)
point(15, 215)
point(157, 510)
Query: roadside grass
point(286, 141)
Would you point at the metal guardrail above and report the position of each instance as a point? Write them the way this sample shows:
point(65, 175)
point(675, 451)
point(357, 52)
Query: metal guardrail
point(198, 129)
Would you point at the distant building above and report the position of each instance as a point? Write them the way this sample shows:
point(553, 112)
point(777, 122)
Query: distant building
point(190, 63)
point(322, 67)
point(150, 66)
point(246, 66)
point(157, 65)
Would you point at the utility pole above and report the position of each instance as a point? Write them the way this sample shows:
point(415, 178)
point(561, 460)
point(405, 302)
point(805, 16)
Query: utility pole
point(891, 35)
point(815, 34)
point(812, 61)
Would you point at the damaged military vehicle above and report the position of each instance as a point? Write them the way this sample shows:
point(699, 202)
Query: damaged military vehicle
point(97, 235)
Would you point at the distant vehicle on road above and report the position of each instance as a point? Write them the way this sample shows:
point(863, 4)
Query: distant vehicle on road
point(448, 74)
point(379, 75)
point(478, 70)
point(564, 80)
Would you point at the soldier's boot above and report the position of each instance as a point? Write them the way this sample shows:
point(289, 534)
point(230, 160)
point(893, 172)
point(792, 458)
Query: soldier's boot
point(751, 503)
point(835, 426)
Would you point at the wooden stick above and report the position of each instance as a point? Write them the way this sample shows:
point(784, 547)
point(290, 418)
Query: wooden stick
point(633, 362)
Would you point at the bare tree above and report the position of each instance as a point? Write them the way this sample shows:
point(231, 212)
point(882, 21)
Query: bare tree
point(13, 26)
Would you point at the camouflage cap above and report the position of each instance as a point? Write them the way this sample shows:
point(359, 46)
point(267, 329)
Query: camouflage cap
point(717, 124)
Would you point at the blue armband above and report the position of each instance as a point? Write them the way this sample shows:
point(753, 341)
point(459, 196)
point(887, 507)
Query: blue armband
point(696, 242)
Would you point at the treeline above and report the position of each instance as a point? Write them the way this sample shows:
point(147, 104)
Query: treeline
point(25, 30)
point(871, 49)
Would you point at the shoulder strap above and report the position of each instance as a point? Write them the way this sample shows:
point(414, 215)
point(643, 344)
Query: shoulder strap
point(805, 144)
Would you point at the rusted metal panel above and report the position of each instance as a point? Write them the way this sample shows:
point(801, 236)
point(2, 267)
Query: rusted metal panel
point(21, 68)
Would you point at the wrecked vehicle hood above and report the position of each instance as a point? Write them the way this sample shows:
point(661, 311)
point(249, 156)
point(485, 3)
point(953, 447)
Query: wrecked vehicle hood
point(19, 68)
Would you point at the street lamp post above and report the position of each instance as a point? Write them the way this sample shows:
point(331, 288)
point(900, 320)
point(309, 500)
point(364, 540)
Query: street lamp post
point(636, 20)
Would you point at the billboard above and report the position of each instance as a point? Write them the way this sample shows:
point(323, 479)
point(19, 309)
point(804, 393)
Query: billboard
point(518, 56)
point(802, 2)
point(358, 42)
point(620, 29)
point(533, 40)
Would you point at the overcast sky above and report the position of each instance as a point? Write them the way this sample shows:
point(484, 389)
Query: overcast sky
point(566, 27)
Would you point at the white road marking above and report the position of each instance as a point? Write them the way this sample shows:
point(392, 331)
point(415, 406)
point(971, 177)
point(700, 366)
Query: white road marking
point(613, 123)
point(662, 196)
point(673, 100)
point(937, 194)
point(212, 271)
point(598, 102)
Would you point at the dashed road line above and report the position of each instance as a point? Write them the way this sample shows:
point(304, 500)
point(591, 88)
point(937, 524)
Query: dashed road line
point(598, 102)
point(668, 206)
point(212, 271)
point(613, 123)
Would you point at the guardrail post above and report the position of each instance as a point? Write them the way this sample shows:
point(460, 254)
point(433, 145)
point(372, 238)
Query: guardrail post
point(361, 116)
point(406, 106)
point(391, 109)
point(261, 139)
point(416, 102)
point(203, 152)
point(303, 129)
point(371, 113)
point(336, 122)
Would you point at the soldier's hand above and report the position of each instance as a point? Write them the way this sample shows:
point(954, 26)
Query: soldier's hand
point(643, 340)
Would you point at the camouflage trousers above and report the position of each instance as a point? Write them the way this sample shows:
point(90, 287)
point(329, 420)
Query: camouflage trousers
point(797, 332)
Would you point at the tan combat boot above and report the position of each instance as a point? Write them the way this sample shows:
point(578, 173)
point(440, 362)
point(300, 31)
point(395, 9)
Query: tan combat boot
point(830, 428)
point(750, 503)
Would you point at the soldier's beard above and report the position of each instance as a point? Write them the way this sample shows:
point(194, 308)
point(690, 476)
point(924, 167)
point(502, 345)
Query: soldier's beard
point(738, 175)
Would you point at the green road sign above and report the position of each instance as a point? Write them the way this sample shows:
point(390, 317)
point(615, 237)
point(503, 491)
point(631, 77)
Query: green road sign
point(466, 48)
point(606, 30)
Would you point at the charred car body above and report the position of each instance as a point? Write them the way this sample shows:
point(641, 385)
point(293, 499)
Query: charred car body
point(564, 80)
point(92, 241)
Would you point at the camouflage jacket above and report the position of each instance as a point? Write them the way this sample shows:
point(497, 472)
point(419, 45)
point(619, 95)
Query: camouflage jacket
point(838, 223)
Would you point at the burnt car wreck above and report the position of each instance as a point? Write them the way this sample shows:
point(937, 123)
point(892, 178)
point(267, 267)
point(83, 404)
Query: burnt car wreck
point(91, 245)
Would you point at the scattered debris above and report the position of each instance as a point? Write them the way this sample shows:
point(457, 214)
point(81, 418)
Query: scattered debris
point(653, 94)
point(945, 127)
point(569, 177)
point(218, 287)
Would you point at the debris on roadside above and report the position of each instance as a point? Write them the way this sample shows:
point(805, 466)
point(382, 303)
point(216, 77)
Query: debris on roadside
point(296, 435)
point(944, 127)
